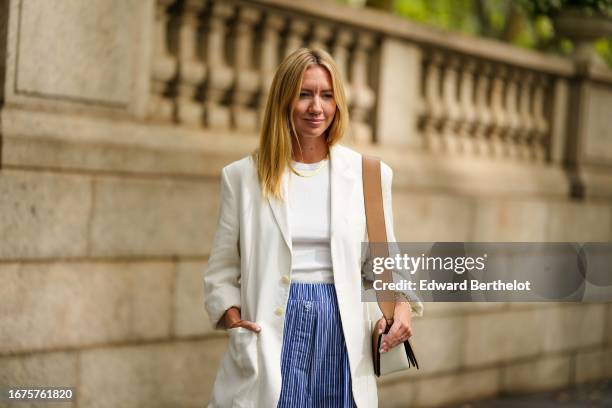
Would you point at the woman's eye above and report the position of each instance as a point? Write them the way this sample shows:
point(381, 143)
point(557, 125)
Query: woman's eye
point(308, 94)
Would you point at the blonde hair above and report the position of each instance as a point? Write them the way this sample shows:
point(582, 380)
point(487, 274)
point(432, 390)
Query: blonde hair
point(275, 143)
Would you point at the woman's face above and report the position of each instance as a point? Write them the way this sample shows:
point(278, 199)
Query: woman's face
point(314, 109)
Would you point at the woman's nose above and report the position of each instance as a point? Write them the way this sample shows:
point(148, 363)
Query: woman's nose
point(315, 105)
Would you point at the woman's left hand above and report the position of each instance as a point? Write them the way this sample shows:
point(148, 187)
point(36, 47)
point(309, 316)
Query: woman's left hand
point(401, 329)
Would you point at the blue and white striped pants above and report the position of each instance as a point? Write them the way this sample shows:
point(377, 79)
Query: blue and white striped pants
point(314, 361)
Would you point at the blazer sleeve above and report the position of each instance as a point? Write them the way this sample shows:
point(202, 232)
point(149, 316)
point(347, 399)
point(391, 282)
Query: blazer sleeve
point(386, 184)
point(222, 276)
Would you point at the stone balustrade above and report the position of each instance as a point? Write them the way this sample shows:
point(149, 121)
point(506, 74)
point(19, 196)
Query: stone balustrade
point(202, 68)
point(214, 61)
point(475, 107)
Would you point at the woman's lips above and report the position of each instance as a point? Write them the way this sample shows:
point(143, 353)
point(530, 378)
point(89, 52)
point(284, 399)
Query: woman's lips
point(314, 122)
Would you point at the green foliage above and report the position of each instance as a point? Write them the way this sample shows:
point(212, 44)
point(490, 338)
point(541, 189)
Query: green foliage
point(552, 7)
point(525, 23)
point(448, 14)
point(604, 48)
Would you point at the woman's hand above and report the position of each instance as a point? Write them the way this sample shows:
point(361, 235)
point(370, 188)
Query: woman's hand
point(231, 320)
point(400, 330)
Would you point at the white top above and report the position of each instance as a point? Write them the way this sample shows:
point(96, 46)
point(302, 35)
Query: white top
point(309, 218)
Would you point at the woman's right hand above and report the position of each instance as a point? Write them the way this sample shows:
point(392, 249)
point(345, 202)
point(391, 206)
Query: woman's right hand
point(232, 319)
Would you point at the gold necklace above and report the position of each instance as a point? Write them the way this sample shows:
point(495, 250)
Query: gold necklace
point(312, 172)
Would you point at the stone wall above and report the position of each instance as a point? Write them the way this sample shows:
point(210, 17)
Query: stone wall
point(117, 116)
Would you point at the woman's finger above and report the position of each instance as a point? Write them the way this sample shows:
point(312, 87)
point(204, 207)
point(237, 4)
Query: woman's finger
point(254, 327)
point(389, 341)
point(237, 323)
point(393, 338)
point(382, 324)
point(247, 325)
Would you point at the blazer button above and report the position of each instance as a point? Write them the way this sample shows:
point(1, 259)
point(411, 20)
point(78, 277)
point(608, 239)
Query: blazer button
point(285, 279)
point(279, 311)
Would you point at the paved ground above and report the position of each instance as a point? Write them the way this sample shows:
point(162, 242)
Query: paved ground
point(588, 395)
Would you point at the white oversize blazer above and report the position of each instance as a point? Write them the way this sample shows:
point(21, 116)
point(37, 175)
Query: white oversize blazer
point(250, 267)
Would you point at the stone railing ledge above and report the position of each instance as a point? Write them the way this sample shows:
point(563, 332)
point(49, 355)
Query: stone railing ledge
point(86, 144)
point(597, 73)
point(418, 171)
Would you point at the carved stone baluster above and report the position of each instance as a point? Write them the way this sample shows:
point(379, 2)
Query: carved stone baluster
point(163, 67)
point(432, 104)
point(450, 105)
point(467, 111)
point(363, 95)
point(526, 116)
point(496, 141)
point(191, 72)
point(484, 116)
point(340, 52)
point(541, 141)
point(295, 35)
point(246, 84)
point(512, 115)
point(272, 25)
point(321, 33)
point(220, 75)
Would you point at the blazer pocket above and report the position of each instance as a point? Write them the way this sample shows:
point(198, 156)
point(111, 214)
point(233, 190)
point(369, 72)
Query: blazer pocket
point(243, 350)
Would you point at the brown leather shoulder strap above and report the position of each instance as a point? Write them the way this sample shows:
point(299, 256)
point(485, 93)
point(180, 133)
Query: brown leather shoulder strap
point(377, 231)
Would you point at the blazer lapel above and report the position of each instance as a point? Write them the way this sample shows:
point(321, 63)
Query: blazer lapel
point(342, 184)
point(280, 209)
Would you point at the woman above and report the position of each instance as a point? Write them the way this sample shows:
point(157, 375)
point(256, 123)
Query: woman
point(284, 274)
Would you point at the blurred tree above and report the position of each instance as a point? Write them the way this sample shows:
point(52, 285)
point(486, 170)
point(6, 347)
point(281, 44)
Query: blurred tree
point(386, 5)
point(521, 22)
